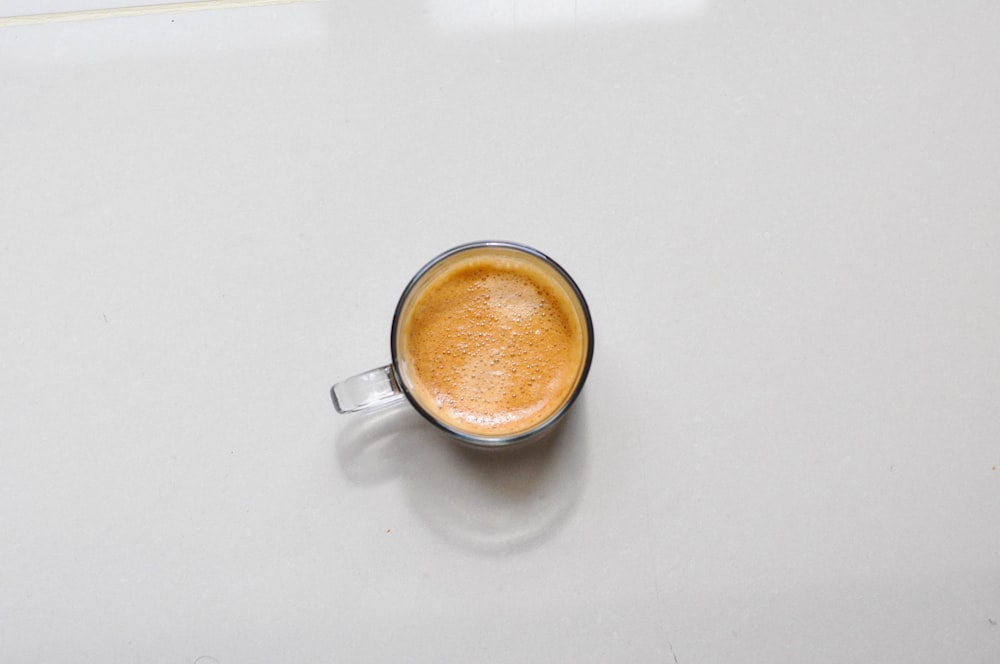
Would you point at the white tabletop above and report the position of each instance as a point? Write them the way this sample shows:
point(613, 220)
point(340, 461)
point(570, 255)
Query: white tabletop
point(786, 220)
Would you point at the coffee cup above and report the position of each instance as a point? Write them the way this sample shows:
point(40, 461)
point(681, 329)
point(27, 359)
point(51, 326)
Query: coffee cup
point(490, 341)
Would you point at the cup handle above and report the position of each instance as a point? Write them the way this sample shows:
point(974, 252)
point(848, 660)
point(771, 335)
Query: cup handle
point(370, 389)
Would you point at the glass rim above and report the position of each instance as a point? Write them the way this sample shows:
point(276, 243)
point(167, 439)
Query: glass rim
point(501, 440)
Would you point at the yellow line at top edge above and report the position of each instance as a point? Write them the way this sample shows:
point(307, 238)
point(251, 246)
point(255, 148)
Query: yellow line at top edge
point(141, 10)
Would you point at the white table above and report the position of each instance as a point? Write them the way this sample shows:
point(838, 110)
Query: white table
point(786, 220)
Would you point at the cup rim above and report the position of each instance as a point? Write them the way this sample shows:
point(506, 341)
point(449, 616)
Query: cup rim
point(464, 436)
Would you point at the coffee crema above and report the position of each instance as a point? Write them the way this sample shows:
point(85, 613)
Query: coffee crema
point(493, 344)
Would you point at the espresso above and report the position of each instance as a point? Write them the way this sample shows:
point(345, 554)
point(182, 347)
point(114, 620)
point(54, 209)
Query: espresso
point(493, 344)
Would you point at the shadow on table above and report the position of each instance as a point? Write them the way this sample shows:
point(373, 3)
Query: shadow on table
point(488, 501)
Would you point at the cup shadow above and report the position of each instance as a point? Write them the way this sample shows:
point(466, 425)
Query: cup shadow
point(489, 501)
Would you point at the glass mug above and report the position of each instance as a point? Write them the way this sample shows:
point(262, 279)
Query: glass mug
point(491, 342)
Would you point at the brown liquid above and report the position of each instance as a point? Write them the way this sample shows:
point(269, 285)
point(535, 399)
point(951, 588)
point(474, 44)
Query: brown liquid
point(493, 345)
